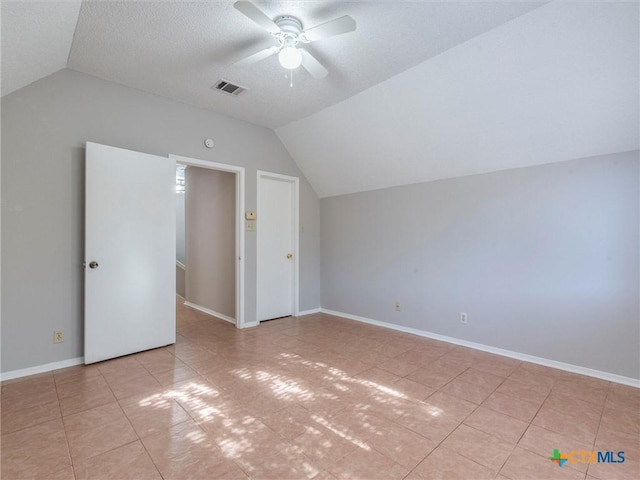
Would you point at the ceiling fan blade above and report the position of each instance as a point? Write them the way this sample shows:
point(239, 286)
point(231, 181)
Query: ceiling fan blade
point(313, 66)
point(256, 57)
point(255, 14)
point(329, 29)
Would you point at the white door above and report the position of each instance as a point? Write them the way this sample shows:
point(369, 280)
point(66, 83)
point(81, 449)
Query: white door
point(277, 245)
point(130, 249)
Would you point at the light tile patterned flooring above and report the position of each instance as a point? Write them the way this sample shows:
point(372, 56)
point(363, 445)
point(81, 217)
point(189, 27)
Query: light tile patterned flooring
point(315, 397)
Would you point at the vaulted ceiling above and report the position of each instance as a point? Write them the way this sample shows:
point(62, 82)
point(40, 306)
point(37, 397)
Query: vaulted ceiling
point(421, 90)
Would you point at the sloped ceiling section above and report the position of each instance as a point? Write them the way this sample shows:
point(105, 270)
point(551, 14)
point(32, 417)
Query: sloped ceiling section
point(558, 83)
point(36, 40)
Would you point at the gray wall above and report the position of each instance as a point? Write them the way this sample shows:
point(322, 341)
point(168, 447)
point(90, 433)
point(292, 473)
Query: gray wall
point(44, 129)
point(211, 240)
point(180, 232)
point(181, 281)
point(180, 244)
point(543, 259)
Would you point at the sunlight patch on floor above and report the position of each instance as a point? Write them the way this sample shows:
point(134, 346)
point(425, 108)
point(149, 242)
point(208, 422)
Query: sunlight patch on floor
point(340, 432)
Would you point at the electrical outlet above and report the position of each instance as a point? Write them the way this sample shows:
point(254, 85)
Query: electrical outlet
point(463, 318)
point(58, 336)
point(398, 307)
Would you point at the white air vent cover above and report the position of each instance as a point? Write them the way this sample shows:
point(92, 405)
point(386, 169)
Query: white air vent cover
point(228, 87)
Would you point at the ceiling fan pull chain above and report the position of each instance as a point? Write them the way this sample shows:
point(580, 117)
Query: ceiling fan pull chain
point(291, 78)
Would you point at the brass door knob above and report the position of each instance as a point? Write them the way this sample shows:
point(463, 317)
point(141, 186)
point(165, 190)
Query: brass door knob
point(93, 265)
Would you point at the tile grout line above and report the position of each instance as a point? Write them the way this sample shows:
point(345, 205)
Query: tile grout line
point(118, 400)
point(439, 389)
point(515, 445)
point(64, 427)
point(595, 438)
point(98, 406)
point(530, 423)
point(472, 412)
point(446, 436)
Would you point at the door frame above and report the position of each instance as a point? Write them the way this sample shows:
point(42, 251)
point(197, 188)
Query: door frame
point(240, 253)
point(295, 232)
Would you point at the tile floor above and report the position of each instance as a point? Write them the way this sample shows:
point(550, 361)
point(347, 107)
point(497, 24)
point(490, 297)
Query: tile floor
point(314, 397)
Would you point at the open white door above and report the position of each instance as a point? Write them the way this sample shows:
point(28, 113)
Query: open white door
point(129, 252)
point(277, 246)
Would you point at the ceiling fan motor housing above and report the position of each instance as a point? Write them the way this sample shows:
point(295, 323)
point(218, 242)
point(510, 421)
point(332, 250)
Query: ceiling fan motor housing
point(289, 24)
point(290, 29)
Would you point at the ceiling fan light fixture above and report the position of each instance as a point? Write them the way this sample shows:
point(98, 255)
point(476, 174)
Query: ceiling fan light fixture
point(287, 30)
point(290, 57)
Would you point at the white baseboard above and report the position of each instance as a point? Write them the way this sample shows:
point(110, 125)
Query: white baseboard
point(211, 312)
point(24, 372)
point(309, 312)
point(612, 377)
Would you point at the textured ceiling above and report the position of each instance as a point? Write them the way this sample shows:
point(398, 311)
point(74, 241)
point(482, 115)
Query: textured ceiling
point(421, 90)
point(180, 49)
point(556, 84)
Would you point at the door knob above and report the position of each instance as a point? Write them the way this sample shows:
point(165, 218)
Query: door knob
point(93, 264)
point(289, 256)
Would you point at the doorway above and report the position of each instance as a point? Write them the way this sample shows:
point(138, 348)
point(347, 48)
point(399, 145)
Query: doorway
point(238, 174)
point(277, 246)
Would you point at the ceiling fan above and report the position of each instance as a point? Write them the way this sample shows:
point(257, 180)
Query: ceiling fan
point(288, 31)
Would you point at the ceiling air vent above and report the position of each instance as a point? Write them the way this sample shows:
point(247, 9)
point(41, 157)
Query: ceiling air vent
point(228, 87)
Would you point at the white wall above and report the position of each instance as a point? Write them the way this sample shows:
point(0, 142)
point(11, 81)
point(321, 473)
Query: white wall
point(544, 259)
point(44, 129)
point(211, 240)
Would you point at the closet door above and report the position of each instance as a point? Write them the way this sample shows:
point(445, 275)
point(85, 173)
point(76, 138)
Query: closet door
point(277, 246)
